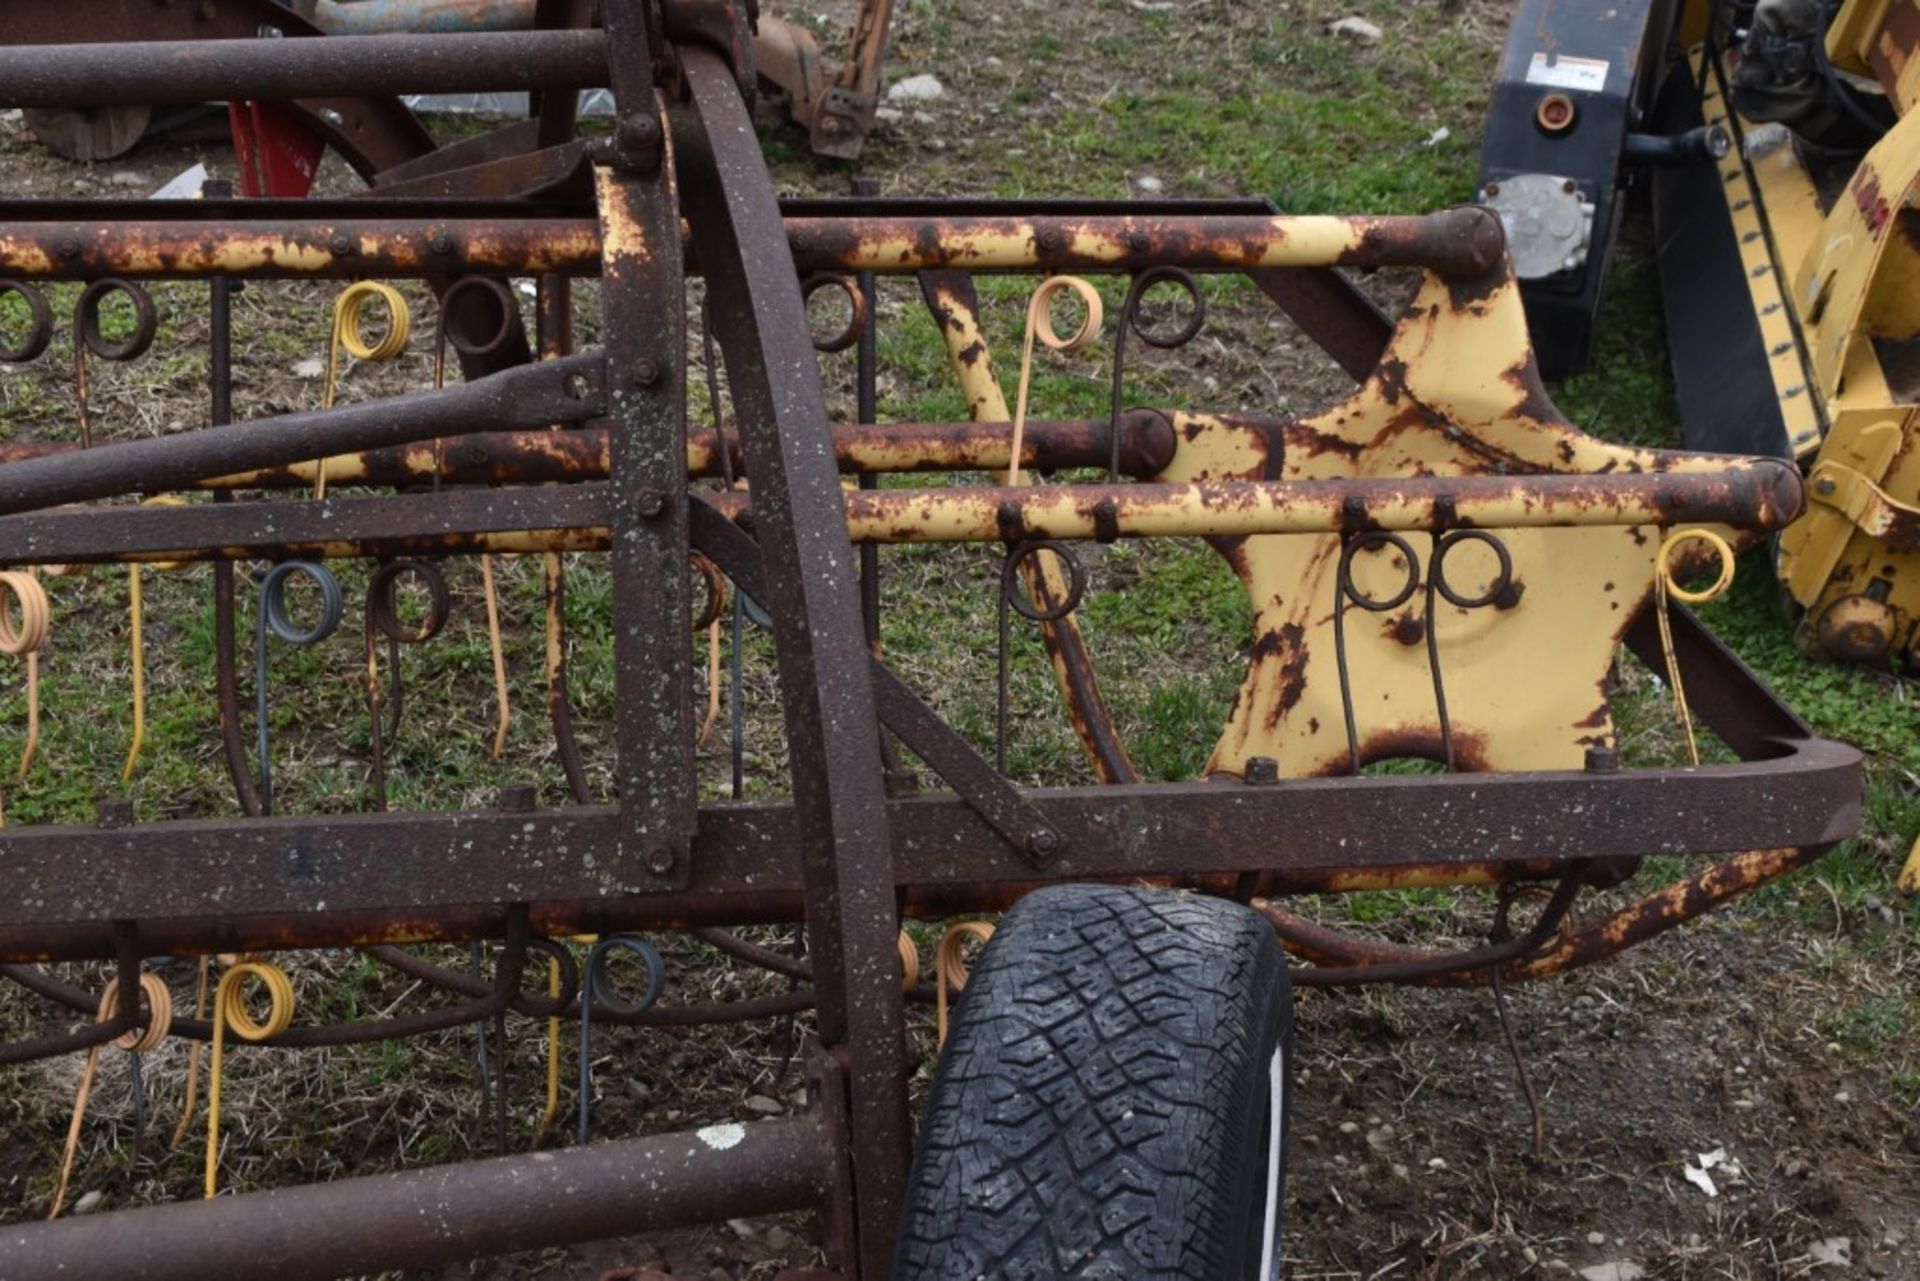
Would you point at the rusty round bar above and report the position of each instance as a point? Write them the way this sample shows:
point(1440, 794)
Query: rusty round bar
point(296, 248)
point(1373, 960)
point(523, 519)
point(541, 457)
point(79, 240)
point(200, 936)
point(1454, 242)
point(179, 72)
point(419, 1218)
point(1757, 494)
point(565, 390)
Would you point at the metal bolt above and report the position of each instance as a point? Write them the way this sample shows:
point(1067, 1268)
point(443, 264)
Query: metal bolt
point(1824, 485)
point(1602, 760)
point(342, 245)
point(639, 146)
point(332, 116)
point(660, 861)
point(1261, 770)
point(1139, 242)
point(69, 247)
point(517, 798)
point(640, 131)
point(1052, 241)
point(650, 503)
point(1043, 841)
point(646, 372)
point(443, 244)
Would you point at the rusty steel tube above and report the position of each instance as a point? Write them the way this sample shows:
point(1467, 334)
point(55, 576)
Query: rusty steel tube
point(541, 457)
point(67, 243)
point(523, 519)
point(447, 1214)
point(1757, 494)
point(1455, 242)
point(1645, 918)
point(293, 248)
point(566, 390)
point(179, 72)
point(194, 936)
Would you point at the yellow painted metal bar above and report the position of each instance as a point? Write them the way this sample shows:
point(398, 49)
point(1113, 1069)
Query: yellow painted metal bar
point(1770, 181)
point(1233, 508)
point(161, 249)
point(1316, 240)
point(1462, 241)
point(1756, 494)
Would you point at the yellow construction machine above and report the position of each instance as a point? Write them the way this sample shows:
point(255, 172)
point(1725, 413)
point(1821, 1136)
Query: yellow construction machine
point(1782, 156)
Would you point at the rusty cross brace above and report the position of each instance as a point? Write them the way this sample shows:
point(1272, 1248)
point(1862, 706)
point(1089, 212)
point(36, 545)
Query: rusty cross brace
point(646, 409)
point(812, 594)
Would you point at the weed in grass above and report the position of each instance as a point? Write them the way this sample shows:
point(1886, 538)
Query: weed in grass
point(1866, 1028)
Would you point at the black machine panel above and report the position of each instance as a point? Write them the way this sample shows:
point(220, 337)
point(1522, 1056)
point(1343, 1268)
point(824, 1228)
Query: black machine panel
point(1569, 98)
point(1728, 401)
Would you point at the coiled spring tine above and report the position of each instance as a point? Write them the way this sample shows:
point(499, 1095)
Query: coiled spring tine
point(383, 620)
point(1013, 599)
point(1438, 586)
point(90, 336)
point(1347, 592)
point(1130, 322)
point(276, 620)
point(594, 988)
point(39, 335)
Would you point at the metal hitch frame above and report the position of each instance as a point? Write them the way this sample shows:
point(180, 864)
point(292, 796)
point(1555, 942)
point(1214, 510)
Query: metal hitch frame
point(1448, 438)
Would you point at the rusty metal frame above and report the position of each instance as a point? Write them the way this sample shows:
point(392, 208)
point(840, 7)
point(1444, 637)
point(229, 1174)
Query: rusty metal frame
point(591, 451)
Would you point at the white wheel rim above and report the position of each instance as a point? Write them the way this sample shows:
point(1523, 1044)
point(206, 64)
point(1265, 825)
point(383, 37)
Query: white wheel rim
point(1276, 1150)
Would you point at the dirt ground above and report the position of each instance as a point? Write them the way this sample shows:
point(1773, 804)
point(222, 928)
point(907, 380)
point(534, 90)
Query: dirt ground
point(1736, 1100)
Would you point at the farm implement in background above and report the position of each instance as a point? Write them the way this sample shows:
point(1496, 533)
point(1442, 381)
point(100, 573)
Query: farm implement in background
point(834, 104)
point(1442, 570)
point(1781, 154)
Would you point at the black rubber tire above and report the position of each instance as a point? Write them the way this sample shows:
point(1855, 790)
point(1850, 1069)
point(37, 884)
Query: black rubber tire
point(1101, 1108)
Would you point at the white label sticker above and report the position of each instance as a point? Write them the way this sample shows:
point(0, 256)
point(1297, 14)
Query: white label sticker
point(1587, 74)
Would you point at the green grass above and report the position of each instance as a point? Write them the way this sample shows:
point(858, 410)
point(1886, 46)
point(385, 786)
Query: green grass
point(1865, 1028)
point(1324, 127)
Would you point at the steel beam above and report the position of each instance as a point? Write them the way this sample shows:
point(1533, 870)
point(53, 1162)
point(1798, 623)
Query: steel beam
point(446, 1214)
